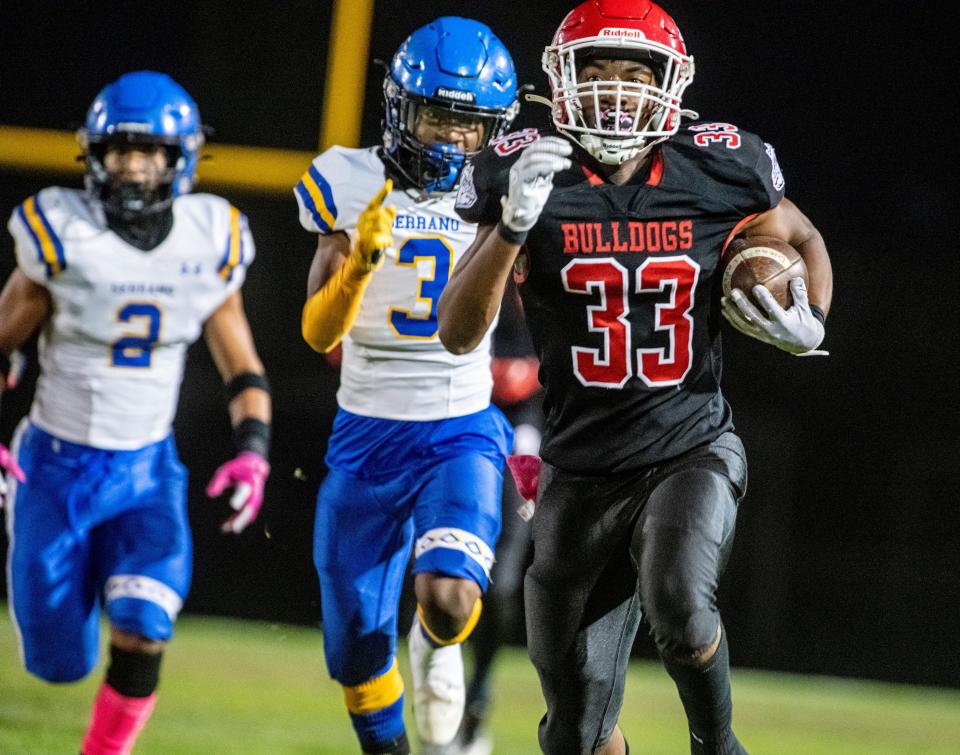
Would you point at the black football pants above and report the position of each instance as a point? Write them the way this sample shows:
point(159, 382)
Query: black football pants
point(607, 546)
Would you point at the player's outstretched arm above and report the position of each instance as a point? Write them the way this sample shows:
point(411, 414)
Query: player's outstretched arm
point(471, 298)
point(24, 305)
point(230, 341)
point(340, 274)
point(801, 328)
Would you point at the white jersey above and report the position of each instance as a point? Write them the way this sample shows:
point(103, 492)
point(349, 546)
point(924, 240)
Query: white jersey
point(112, 353)
point(394, 366)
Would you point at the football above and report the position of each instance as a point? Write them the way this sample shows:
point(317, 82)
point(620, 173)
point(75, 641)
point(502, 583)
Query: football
point(763, 260)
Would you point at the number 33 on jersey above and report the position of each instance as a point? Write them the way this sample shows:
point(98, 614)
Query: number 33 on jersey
point(621, 290)
point(394, 366)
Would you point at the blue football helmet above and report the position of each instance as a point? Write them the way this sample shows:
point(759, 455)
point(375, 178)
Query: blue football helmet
point(452, 73)
point(149, 109)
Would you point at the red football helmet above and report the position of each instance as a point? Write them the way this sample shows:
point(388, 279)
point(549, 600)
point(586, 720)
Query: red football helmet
point(627, 117)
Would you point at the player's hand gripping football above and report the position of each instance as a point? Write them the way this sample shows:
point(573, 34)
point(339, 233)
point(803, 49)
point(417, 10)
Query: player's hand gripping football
point(246, 474)
point(795, 330)
point(8, 464)
point(375, 230)
point(531, 181)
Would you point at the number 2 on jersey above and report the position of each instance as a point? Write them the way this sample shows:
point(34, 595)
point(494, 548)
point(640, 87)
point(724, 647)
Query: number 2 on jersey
point(612, 366)
point(135, 350)
point(411, 252)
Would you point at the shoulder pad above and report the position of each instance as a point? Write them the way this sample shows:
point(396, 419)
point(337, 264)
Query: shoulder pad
point(487, 177)
point(228, 231)
point(37, 228)
point(336, 187)
point(740, 162)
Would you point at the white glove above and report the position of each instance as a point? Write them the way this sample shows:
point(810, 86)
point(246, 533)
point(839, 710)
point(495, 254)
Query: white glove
point(531, 181)
point(794, 330)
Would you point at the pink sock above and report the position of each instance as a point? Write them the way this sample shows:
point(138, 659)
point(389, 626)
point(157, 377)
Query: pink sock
point(116, 722)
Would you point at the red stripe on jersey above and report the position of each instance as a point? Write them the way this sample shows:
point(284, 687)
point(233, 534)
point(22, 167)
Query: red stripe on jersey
point(592, 177)
point(656, 169)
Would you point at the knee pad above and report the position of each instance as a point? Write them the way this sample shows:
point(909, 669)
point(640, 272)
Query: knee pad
point(689, 643)
point(142, 605)
point(457, 553)
point(133, 674)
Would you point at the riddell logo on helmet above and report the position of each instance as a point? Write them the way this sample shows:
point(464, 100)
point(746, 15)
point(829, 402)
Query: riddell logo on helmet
point(137, 128)
point(618, 31)
point(456, 94)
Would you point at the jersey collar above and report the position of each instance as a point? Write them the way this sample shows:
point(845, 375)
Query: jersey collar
point(650, 174)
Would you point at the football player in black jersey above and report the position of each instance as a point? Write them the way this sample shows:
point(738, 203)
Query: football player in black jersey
point(616, 227)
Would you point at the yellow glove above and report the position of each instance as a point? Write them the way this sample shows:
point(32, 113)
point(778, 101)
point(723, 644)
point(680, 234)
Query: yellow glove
point(375, 230)
point(331, 311)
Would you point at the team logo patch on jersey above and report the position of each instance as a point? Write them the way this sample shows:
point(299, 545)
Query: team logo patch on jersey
point(467, 193)
point(776, 175)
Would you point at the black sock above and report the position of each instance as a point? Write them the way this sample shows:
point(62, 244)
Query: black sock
point(705, 694)
point(398, 746)
point(133, 674)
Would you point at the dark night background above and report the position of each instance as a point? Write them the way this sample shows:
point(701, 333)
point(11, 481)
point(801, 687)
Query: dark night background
point(848, 550)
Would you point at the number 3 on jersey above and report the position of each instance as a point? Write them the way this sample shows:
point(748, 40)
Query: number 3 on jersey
point(612, 366)
point(135, 349)
point(410, 253)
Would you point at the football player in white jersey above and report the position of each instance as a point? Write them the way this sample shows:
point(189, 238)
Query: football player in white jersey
point(121, 279)
point(416, 456)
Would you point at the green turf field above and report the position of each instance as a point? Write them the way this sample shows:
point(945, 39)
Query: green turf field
point(243, 687)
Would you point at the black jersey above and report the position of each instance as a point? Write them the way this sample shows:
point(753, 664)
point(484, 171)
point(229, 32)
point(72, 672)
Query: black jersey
point(621, 289)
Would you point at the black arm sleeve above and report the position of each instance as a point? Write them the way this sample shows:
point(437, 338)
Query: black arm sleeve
point(485, 180)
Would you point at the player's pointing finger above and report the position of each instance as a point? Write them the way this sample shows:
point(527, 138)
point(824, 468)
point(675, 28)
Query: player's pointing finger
point(382, 194)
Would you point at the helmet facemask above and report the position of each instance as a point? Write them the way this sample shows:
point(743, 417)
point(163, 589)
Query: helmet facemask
point(140, 211)
point(435, 166)
point(126, 199)
point(615, 120)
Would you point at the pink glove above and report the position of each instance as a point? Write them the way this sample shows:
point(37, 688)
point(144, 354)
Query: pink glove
point(526, 474)
point(246, 474)
point(8, 464)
